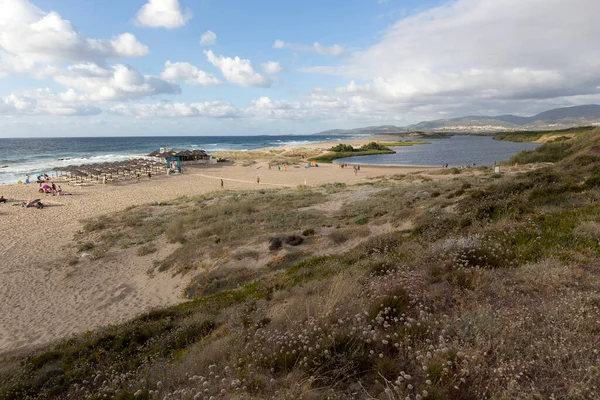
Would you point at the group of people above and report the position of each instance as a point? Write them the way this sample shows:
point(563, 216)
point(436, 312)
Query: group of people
point(355, 168)
point(55, 190)
point(40, 179)
point(280, 167)
point(465, 166)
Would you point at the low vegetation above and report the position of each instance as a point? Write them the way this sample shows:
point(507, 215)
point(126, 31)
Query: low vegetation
point(467, 286)
point(533, 136)
point(346, 150)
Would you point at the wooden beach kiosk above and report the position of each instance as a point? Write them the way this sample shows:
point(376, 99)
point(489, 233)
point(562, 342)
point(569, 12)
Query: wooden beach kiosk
point(183, 157)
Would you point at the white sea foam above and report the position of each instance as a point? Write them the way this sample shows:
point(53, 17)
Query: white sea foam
point(15, 172)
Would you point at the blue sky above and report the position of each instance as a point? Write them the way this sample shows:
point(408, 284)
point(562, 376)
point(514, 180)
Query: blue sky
point(99, 68)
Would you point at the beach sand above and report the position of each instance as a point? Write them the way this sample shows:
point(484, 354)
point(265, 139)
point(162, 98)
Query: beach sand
point(46, 299)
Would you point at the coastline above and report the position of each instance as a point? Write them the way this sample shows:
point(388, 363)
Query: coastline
point(47, 299)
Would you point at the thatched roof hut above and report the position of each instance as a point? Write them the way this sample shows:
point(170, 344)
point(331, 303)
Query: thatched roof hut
point(184, 155)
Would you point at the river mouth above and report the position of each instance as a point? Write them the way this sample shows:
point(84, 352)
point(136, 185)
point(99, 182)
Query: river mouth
point(456, 151)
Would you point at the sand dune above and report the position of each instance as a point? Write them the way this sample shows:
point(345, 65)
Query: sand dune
point(45, 299)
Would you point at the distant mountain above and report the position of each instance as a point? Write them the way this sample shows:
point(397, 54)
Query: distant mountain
point(553, 119)
point(558, 118)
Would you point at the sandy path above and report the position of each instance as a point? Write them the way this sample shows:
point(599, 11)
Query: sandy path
point(41, 301)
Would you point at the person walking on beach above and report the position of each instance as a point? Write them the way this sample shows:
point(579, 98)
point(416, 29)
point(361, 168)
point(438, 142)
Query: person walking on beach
point(221, 183)
point(138, 177)
point(257, 180)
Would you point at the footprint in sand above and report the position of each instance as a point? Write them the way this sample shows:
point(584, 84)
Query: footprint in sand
point(120, 293)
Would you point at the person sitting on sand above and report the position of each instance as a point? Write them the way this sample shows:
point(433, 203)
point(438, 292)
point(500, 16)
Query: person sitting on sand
point(3, 200)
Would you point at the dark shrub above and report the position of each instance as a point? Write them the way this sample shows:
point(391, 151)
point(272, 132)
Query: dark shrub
point(340, 148)
point(275, 243)
point(373, 146)
point(308, 232)
point(592, 181)
point(294, 240)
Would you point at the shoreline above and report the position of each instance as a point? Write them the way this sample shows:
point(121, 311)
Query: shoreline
point(18, 169)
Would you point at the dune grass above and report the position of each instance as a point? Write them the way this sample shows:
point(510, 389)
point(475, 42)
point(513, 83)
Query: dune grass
point(532, 136)
point(491, 291)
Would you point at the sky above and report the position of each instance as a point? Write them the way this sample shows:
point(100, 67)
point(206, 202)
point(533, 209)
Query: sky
point(235, 67)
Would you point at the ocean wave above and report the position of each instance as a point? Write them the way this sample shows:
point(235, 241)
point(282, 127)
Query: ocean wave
point(17, 171)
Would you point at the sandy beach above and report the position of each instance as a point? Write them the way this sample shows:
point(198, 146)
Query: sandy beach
point(45, 299)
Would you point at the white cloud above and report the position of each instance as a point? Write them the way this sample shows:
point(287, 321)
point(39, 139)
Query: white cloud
point(352, 87)
point(29, 36)
point(44, 102)
point(318, 106)
point(208, 38)
point(162, 14)
point(535, 50)
point(208, 109)
point(335, 50)
point(189, 73)
point(119, 82)
point(238, 71)
point(272, 67)
point(326, 102)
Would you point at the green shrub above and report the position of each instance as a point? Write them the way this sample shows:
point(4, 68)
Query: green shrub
point(592, 181)
point(548, 152)
point(374, 146)
point(391, 306)
point(218, 280)
point(362, 220)
point(380, 268)
point(342, 148)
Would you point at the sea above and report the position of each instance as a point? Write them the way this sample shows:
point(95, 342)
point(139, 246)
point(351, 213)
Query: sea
point(33, 156)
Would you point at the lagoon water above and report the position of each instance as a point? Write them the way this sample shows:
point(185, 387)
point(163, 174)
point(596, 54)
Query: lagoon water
point(455, 151)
